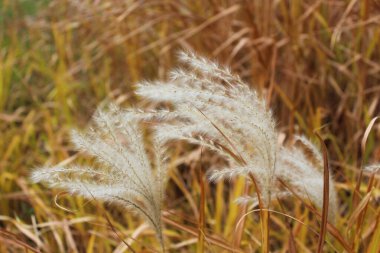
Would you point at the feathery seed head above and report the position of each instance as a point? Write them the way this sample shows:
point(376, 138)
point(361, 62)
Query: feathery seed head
point(213, 104)
point(124, 175)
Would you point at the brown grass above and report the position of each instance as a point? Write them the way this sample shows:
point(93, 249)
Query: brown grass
point(317, 63)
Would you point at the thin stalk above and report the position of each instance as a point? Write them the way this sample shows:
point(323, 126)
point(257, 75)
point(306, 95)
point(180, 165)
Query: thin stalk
point(264, 219)
point(325, 208)
point(202, 204)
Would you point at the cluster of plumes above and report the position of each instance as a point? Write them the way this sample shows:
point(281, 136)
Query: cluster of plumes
point(123, 174)
point(212, 108)
point(215, 109)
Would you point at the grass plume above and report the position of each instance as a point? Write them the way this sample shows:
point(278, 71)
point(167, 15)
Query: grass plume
point(123, 175)
point(216, 109)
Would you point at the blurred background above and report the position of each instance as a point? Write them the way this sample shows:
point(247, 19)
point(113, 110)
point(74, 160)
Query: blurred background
point(317, 63)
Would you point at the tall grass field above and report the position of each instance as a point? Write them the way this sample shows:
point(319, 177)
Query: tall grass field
point(189, 126)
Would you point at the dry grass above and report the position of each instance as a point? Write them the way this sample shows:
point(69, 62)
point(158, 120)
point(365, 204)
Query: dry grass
point(317, 62)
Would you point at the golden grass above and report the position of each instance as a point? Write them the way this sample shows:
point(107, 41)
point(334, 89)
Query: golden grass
point(317, 62)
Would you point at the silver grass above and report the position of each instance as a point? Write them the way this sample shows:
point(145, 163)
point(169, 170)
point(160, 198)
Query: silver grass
point(123, 174)
point(301, 166)
point(214, 108)
point(372, 168)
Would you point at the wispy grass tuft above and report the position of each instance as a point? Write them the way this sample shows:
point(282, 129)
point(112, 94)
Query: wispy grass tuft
point(124, 174)
point(215, 109)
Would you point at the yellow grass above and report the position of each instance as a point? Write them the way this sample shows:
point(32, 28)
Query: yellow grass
point(317, 62)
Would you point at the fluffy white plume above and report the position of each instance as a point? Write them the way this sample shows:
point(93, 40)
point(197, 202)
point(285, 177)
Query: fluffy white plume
point(124, 174)
point(212, 104)
point(372, 168)
point(216, 109)
point(301, 167)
